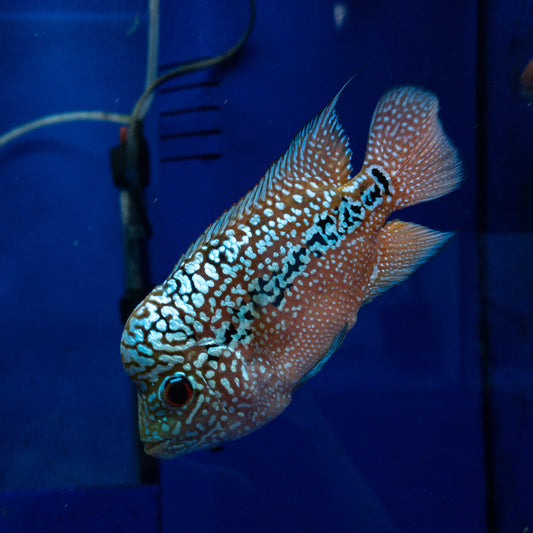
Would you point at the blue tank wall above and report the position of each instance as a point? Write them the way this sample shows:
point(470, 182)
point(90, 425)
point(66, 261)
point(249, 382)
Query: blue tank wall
point(506, 276)
point(66, 413)
point(399, 432)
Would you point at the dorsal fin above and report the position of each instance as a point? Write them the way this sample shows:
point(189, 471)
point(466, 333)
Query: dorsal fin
point(319, 154)
point(402, 248)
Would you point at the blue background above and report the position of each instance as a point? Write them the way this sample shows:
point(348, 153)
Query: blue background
point(423, 421)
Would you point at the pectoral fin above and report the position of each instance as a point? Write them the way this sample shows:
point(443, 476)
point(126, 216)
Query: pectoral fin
point(335, 345)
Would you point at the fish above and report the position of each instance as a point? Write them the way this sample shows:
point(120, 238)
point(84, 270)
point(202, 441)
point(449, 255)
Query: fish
point(526, 81)
point(265, 296)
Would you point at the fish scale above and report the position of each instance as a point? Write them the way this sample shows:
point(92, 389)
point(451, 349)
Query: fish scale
point(263, 298)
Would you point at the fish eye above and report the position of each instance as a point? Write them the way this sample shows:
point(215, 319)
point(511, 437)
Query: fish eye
point(177, 391)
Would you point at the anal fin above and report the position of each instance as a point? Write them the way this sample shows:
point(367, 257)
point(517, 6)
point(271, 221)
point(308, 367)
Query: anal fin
point(402, 248)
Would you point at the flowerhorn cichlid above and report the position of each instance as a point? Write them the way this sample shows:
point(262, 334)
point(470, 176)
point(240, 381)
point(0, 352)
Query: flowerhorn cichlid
point(265, 296)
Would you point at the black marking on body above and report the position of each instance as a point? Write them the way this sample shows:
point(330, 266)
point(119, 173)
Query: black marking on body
point(323, 222)
point(327, 230)
point(317, 239)
point(210, 356)
point(247, 315)
point(372, 195)
point(382, 180)
point(229, 333)
point(349, 213)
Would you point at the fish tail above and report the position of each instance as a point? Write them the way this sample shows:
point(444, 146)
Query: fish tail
point(408, 154)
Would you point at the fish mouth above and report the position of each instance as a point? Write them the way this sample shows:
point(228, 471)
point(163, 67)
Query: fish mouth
point(162, 450)
point(170, 449)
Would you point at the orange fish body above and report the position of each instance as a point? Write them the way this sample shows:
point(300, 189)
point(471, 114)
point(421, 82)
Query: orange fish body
point(260, 302)
point(526, 80)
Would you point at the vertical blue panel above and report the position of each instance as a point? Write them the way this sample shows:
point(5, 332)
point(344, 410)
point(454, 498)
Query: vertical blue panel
point(67, 416)
point(507, 225)
point(388, 436)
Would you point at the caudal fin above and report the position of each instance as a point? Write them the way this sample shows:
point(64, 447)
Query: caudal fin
point(407, 141)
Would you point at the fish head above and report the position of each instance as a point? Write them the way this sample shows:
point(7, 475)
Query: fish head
point(194, 392)
point(174, 413)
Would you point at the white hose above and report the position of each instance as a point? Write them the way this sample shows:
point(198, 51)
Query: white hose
point(61, 118)
point(152, 57)
point(72, 116)
point(152, 82)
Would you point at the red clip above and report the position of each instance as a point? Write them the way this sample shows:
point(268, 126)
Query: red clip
point(123, 134)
